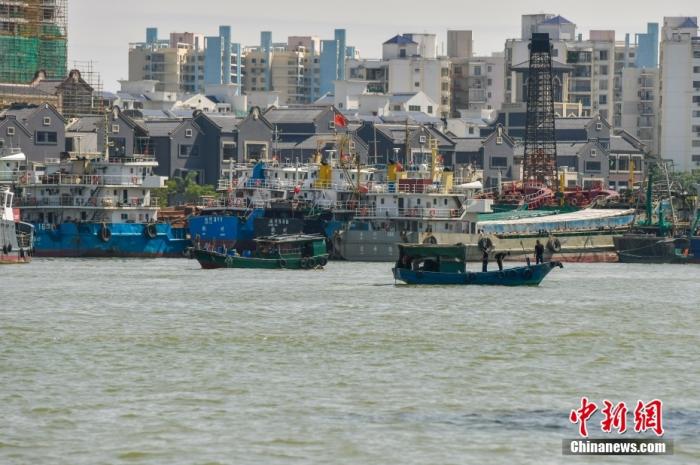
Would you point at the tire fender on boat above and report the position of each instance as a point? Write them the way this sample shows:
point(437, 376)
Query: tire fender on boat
point(150, 231)
point(282, 262)
point(554, 245)
point(322, 261)
point(105, 233)
point(304, 263)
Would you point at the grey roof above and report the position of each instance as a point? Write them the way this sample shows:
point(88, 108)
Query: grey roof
point(571, 123)
point(21, 89)
point(412, 116)
point(401, 97)
point(556, 66)
point(293, 115)
point(400, 40)
point(20, 113)
point(226, 123)
point(620, 145)
point(467, 145)
point(85, 124)
point(557, 20)
point(569, 149)
point(49, 85)
point(161, 128)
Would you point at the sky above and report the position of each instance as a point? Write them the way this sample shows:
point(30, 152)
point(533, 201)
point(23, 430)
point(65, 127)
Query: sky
point(100, 31)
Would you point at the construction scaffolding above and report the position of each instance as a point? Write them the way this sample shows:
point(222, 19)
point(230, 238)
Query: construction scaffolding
point(33, 37)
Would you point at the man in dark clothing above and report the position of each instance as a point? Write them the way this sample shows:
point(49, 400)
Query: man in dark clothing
point(485, 261)
point(539, 253)
point(499, 259)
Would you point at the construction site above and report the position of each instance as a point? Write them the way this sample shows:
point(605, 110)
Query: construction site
point(33, 36)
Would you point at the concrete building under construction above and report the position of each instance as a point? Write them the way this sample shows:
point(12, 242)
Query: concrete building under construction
point(33, 36)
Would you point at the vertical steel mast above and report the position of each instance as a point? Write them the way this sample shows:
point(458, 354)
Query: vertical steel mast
point(540, 158)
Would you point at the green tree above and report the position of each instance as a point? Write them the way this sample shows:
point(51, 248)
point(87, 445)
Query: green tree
point(185, 189)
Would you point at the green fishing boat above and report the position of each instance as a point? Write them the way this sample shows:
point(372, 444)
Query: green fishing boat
point(293, 252)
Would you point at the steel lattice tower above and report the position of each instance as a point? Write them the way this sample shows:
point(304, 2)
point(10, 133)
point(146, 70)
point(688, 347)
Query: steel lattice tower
point(540, 158)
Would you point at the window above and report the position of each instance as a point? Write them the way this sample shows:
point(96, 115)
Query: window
point(696, 85)
point(402, 53)
point(489, 69)
point(696, 69)
point(2, 143)
point(603, 99)
point(188, 132)
point(603, 54)
point(397, 107)
point(594, 152)
point(414, 108)
point(115, 128)
point(416, 84)
point(489, 82)
point(599, 126)
point(593, 166)
point(229, 150)
point(47, 121)
point(604, 69)
point(421, 140)
point(187, 150)
point(46, 138)
point(499, 162)
point(477, 71)
point(10, 130)
point(430, 108)
point(499, 140)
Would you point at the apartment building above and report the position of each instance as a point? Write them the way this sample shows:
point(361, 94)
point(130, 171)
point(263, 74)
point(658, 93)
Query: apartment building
point(409, 64)
point(186, 61)
point(679, 139)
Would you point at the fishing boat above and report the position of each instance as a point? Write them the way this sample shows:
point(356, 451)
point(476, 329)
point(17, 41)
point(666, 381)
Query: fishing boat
point(16, 238)
point(446, 264)
point(294, 252)
point(95, 205)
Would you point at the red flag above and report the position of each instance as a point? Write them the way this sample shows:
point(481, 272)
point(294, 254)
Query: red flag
point(340, 121)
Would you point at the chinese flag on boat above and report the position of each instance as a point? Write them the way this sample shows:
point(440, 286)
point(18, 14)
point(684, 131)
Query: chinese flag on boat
point(340, 121)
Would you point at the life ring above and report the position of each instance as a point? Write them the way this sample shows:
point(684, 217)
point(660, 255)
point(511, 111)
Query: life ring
point(282, 262)
point(23, 179)
point(105, 233)
point(150, 231)
point(432, 212)
point(322, 261)
point(554, 245)
point(311, 263)
point(527, 274)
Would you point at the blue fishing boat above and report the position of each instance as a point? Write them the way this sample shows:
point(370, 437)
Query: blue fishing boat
point(446, 265)
point(97, 206)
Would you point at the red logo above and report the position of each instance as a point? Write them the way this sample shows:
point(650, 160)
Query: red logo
point(647, 416)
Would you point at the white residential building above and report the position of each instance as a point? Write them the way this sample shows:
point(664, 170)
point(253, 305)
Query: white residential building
point(640, 105)
point(478, 83)
point(409, 65)
point(679, 139)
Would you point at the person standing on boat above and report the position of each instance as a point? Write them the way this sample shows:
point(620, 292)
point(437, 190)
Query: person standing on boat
point(486, 246)
point(539, 253)
point(499, 259)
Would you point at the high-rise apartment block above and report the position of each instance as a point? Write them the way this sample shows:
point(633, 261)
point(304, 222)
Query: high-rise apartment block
point(680, 92)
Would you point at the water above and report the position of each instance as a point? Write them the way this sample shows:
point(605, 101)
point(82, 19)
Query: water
point(159, 362)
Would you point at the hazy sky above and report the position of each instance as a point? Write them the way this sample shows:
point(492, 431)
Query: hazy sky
point(101, 31)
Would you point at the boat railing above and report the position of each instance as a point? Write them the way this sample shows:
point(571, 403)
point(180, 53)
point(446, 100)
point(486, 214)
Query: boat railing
point(85, 202)
point(418, 212)
point(81, 179)
point(10, 176)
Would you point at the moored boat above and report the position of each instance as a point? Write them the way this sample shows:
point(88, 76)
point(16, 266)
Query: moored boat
point(446, 264)
point(294, 252)
point(16, 238)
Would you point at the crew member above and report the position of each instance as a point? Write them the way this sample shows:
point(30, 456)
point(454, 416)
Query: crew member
point(539, 253)
point(499, 259)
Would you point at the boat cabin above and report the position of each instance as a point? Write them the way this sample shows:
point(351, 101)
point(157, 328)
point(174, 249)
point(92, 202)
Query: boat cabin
point(290, 246)
point(436, 258)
